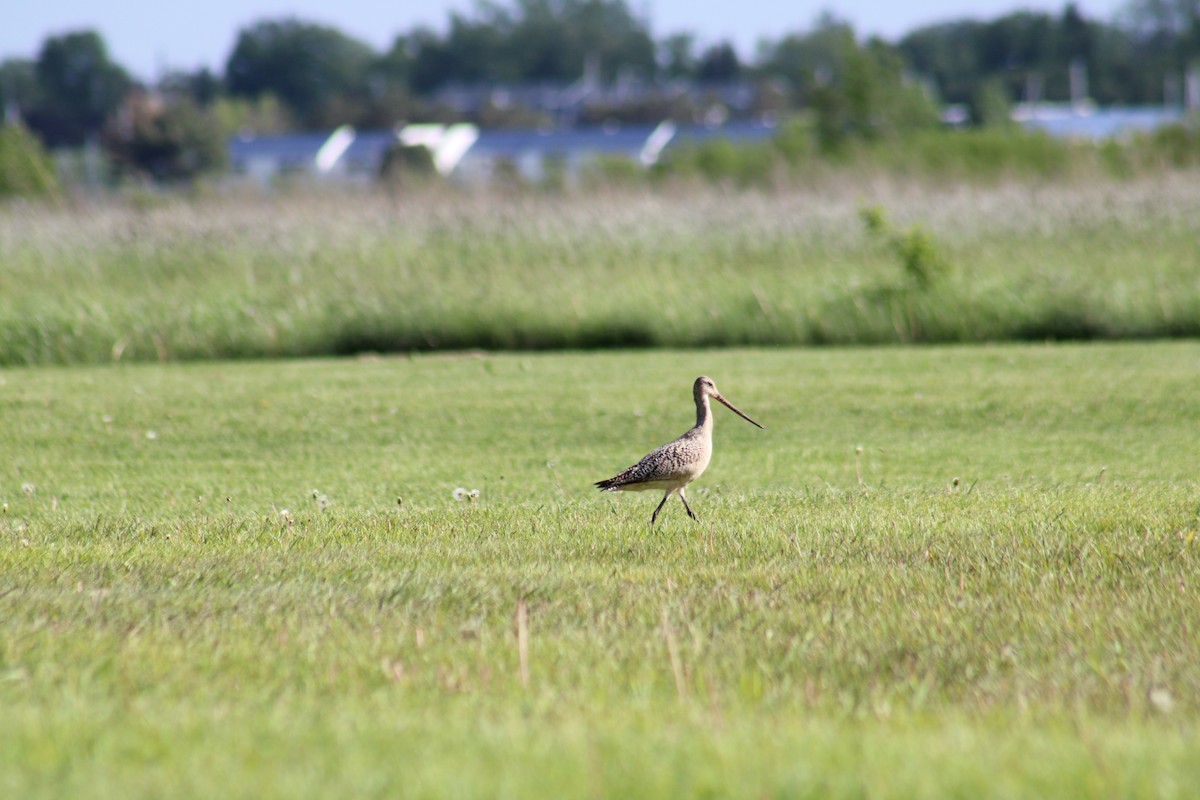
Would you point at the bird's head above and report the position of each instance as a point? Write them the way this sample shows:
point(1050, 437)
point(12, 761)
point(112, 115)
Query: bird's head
point(704, 387)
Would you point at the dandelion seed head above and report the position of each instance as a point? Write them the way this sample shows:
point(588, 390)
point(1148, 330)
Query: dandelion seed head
point(27, 488)
point(1161, 700)
point(459, 494)
point(151, 434)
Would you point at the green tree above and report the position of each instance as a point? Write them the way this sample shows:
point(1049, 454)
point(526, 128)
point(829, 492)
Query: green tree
point(432, 61)
point(677, 56)
point(1172, 27)
point(948, 55)
point(719, 63)
point(202, 86)
point(262, 116)
point(1075, 37)
point(809, 61)
point(538, 40)
point(1166, 35)
point(303, 64)
point(478, 48)
point(1028, 50)
point(393, 70)
point(869, 97)
point(18, 87)
point(171, 142)
point(78, 88)
point(991, 106)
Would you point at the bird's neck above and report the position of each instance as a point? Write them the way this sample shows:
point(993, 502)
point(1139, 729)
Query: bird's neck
point(703, 413)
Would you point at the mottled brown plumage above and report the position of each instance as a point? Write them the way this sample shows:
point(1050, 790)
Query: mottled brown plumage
point(673, 466)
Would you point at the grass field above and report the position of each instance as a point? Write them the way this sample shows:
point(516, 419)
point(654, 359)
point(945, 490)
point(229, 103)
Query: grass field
point(684, 267)
point(253, 579)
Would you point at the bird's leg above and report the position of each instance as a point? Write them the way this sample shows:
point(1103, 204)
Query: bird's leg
point(654, 516)
point(685, 505)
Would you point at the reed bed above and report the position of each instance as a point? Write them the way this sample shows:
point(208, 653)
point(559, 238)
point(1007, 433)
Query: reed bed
point(678, 266)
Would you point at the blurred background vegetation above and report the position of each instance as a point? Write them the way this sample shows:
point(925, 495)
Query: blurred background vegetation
point(874, 216)
point(842, 261)
point(848, 98)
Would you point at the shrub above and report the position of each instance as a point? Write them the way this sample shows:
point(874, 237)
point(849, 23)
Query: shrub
point(407, 163)
point(984, 153)
point(722, 161)
point(919, 254)
point(25, 169)
point(794, 141)
point(1173, 145)
point(612, 171)
point(175, 142)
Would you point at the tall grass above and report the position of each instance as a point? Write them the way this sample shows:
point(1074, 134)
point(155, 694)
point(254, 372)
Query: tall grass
point(687, 266)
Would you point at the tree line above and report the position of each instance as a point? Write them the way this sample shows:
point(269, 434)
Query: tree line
point(289, 74)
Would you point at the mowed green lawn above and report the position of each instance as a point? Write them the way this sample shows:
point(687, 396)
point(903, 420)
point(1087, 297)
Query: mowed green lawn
point(254, 579)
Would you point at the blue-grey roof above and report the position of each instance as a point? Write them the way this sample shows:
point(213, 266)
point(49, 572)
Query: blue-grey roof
point(299, 150)
point(291, 150)
point(369, 146)
point(733, 131)
point(624, 139)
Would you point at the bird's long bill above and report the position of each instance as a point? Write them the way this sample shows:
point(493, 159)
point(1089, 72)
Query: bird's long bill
point(734, 409)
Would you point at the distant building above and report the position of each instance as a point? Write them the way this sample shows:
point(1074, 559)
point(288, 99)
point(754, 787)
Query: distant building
point(1085, 120)
point(264, 159)
point(345, 154)
point(540, 155)
point(738, 131)
point(467, 154)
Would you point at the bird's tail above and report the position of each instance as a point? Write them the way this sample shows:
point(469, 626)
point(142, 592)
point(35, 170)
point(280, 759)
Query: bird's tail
point(621, 479)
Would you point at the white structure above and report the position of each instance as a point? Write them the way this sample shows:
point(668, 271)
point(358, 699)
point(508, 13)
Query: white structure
point(465, 153)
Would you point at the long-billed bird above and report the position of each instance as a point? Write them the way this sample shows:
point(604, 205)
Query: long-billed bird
point(673, 466)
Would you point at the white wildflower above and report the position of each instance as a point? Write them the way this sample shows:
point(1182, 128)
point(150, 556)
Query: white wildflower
point(1161, 700)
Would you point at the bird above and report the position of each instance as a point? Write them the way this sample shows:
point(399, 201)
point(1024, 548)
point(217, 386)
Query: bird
point(673, 466)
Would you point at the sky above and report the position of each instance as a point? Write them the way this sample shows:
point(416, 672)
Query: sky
point(148, 38)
